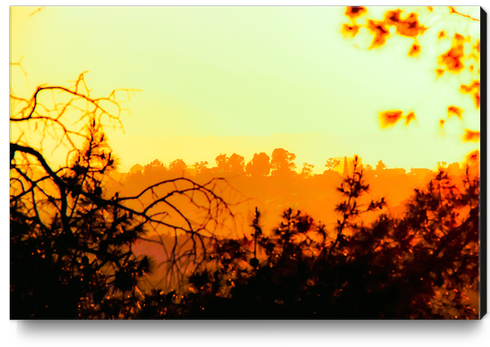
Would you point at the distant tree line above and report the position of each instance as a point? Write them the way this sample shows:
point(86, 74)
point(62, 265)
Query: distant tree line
point(281, 164)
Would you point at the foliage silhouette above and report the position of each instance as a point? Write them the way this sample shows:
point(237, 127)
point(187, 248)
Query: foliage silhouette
point(282, 163)
point(380, 166)
point(420, 266)
point(233, 165)
point(178, 166)
point(201, 167)
point(462, 56)
point(71, 243)
point(259, 166)
point(332, 164)
point(307, 170)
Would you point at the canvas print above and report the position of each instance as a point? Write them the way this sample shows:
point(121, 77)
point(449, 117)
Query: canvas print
point(247, 162)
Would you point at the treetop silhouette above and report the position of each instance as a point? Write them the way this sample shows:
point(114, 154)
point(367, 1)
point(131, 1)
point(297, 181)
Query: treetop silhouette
point(71, 242)
point(282, 162)
point(259, 166)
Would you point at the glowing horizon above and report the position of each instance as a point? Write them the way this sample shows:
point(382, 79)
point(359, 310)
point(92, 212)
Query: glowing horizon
point(214, 74)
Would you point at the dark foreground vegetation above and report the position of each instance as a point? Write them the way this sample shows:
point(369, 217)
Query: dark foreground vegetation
point(72, 242)
point(422, 266)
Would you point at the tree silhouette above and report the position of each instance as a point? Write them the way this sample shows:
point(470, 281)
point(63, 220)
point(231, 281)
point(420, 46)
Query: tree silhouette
point(154, 171)
point(237, 164)
point(332, 164)
point(380, 166)
point(201, 166)
point(72, 243)
point(307, 170)
point(346, 167)
point(222, 163)
point(234, 164)
point(259, 166)
point(178, 165)
point(282, 163)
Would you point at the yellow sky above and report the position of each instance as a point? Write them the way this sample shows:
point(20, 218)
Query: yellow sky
point(250, 79)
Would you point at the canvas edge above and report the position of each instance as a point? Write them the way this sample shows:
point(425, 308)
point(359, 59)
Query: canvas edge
point(483, 148)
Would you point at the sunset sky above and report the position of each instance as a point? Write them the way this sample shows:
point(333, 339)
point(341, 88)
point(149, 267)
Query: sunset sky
point(250, 79)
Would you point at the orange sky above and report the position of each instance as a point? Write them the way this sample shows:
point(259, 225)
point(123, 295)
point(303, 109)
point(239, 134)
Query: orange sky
point(250, 79)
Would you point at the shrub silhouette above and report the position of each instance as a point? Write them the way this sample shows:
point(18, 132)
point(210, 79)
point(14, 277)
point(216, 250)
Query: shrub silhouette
point(418, 267)
point(70, 241)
